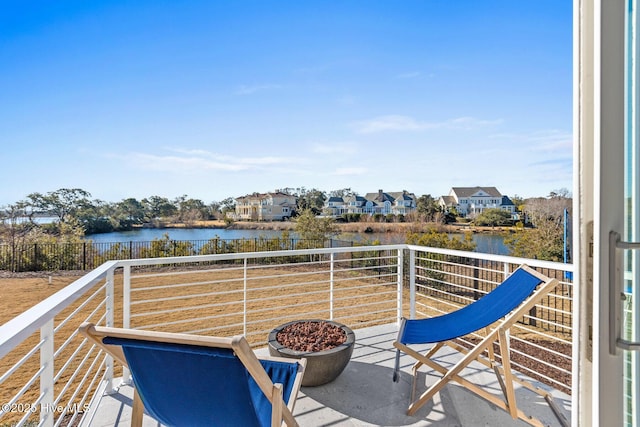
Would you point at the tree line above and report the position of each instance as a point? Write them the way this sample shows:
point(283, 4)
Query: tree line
point(75, 214)
point(74, 207)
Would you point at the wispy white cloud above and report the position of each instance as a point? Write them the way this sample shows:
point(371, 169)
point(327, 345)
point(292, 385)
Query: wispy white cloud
point(553, 140)
point(186, 160)
point(155, 162)
point(251, 89)
point(409, 75)
point(469, 123)
point(410, 124)
point(563, 162)
point(342, 148)
point(557, 171)
point(266, 160)
point(543, 140)
point(388, 123)
point(351, 171)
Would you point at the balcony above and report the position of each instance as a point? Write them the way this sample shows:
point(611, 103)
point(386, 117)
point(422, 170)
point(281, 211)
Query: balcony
point(45, 364)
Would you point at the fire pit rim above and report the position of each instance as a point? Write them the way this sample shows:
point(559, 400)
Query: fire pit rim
point(351, 338)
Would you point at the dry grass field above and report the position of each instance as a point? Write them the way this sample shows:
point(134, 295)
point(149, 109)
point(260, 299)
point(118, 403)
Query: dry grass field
point(17, 294)
point(210, 302)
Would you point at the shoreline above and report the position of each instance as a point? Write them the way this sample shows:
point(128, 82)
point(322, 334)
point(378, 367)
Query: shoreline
point(351, 227)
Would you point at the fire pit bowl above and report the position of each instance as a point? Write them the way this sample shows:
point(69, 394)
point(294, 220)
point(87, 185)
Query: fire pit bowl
point(323, 366)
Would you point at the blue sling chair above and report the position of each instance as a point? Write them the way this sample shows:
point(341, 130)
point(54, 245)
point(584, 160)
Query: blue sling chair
point(191, 380)
point(495, 312)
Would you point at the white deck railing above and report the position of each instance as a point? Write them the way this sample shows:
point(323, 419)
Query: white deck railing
point(49, 374)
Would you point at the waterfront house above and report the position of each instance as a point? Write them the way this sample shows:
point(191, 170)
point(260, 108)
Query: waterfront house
point(472, 201)
point(385, 203)
point(395, 203)
point(336, 206)
point(275, 206)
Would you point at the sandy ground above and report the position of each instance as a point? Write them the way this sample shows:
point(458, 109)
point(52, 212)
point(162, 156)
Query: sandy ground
point(22, 292)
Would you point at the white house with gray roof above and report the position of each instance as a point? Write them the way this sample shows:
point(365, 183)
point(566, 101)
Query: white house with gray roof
point(471, 201)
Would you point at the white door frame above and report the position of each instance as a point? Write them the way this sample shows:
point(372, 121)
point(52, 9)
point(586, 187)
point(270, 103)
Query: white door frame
point(599, 131)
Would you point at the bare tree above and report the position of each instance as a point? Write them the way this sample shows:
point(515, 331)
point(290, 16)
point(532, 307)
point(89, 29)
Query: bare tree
point(343, 192)
point(545, 240)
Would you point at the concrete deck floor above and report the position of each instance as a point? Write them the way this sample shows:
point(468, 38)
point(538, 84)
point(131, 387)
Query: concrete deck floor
point(365, 395)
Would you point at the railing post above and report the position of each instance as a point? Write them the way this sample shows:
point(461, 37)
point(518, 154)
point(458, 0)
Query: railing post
point(110, 323)
point(126, 294)
point(331, 264)
point(533, 313)
point(84, 256)
point(476, 276)
point(126, 310)
point(47, 350)
point(412, 284)
point(400, 280)
point(244, 298)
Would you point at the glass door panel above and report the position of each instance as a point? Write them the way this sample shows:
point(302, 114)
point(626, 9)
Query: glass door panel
point(631, 310)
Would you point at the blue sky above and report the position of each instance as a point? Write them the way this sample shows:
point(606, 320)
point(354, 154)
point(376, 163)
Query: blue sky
point(217, 99)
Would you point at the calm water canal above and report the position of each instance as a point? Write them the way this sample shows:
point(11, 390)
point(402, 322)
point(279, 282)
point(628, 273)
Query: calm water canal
point(485, 243)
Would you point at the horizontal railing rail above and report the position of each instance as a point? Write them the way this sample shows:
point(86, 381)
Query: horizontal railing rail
point(50, 374)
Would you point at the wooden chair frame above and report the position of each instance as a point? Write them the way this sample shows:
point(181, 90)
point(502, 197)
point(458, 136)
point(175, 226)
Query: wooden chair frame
point(483, 352)
point(281, 414)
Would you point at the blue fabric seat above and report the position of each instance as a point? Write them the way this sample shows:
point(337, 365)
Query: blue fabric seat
point(473, 317)
point(495, 313)
point(206, 382)
point(200, 386)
